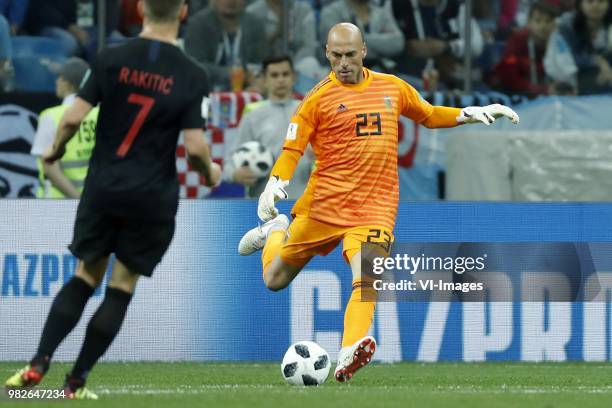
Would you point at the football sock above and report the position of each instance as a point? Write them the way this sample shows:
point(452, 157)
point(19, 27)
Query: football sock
point(65, 313)
point(102, 330)
point(359, 312)
point(74, 383)
point(272, 247)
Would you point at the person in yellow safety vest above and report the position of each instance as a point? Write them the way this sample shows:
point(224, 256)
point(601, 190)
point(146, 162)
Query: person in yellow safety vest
point(65, 178)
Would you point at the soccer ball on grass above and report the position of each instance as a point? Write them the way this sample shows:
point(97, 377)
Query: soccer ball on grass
point(305, 363)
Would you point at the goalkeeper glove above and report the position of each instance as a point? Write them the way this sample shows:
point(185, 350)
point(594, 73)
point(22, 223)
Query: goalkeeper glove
point(486, 114)
point(274, 191)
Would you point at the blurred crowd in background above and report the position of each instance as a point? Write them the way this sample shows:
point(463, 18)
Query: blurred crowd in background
point(517, 46)
point(264, 55)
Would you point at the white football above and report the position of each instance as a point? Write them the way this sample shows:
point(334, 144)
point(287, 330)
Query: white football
point(305, 363)
point(254, 155)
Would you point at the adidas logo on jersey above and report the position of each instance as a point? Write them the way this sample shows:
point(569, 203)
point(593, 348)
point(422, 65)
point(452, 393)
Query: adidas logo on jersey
point(342, 108)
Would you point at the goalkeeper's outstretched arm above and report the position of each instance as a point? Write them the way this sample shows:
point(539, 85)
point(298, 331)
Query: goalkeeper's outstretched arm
point(442, 117)
point(445, 117)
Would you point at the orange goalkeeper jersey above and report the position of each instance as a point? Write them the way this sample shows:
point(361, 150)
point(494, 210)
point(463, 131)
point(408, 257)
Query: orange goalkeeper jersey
point(353, 131)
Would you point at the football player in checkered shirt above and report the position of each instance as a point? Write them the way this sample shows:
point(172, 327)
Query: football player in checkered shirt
point(148, 91)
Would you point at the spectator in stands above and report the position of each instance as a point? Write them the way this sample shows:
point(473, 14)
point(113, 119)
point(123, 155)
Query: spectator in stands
point(317, 5)
point(113, 15)
point(130, 22)
point(197, 5)
point(65, 178)
point(496, 18)
point(267, 123)
point(88, 20)
point(14, 11)
point(57, 19)
point(507, 17)
point(434, 31)
point(377, 24)
point(580, 51)
point(224, 37)
point(524, 6)
point(12, 14)
point(522, 68)
point(487, 14)
point(302, 39)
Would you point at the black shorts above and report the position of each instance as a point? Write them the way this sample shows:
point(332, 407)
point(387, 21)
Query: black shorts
point(138, 244)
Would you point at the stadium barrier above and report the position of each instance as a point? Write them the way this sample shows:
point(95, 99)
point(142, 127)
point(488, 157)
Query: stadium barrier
point(529, 166)
point(205, 302)
point(423, 179)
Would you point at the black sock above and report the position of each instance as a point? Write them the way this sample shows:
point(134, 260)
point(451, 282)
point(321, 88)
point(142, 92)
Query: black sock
point(101, 331)
point(65, 313)
point(73, 383)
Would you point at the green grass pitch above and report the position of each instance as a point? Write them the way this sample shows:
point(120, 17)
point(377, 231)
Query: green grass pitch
point(429, 385)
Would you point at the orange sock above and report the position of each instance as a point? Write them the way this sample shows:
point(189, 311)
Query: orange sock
point(359, 313)
point(272, 247)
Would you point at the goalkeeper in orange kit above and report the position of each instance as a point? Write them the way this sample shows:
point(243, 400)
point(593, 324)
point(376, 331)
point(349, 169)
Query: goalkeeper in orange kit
point(351, 121)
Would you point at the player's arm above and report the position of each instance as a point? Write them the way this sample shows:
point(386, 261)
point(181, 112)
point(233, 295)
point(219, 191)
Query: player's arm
point(442, 117)
point(446, 117)
point(88, 96)
point(198, 156)
point(299, 132)
point(418, 109)
point(193, 122)
point(55, 174)
point(286, 164)
point(68, 127)
point(279, 179)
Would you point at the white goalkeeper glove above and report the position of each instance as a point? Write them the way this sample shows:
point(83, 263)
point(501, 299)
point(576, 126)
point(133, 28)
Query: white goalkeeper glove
point(487, 114)
point(274, 191)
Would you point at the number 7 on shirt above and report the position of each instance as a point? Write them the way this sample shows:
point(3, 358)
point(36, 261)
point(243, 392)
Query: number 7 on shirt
point(146, 104)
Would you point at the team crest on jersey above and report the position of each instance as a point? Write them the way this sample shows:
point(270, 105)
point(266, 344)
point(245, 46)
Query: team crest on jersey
point(388, 102)
point(342, 108)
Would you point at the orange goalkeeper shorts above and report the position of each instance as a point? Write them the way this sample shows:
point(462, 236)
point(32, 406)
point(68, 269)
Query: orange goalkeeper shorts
point(308, 237)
